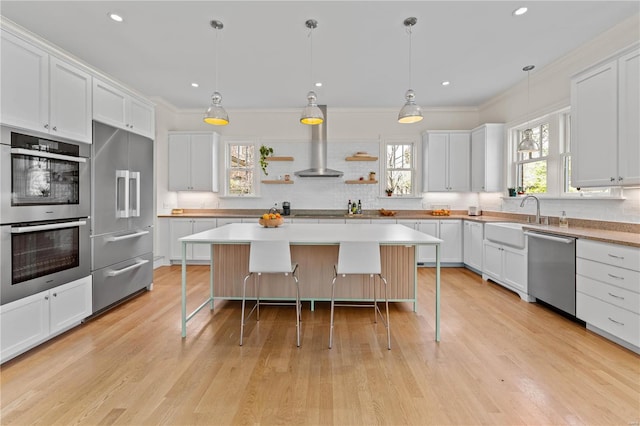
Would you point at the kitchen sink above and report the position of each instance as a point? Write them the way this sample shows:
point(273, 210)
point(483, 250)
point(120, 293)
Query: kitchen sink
point(505, 233)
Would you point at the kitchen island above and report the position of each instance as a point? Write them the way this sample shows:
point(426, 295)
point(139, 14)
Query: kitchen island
point(315, 248)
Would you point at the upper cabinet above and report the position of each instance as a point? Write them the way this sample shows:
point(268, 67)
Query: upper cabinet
point(115, 107)
point(487, 154)
point(42, 92)
point(193, 161)
point(605, 122)
point(446, 161)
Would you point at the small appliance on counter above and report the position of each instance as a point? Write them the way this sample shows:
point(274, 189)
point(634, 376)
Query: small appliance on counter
point(286, 208)
point(474, 211)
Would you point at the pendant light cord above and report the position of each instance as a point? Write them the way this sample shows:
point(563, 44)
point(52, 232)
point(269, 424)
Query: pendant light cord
point(216, 59)
point(528, 97)
point(409, 30)
point(311, 59)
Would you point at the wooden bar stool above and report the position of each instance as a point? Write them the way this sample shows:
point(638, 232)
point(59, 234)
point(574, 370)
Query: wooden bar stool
point(362, 258)
point(270, 257)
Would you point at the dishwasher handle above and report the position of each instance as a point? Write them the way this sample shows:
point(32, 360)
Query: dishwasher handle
point(550, 237)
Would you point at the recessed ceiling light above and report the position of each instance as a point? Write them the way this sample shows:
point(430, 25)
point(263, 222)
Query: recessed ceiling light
point(520, 11)
point(445, 83)
point(318, 84)
point(195, 85)
point(115, 17)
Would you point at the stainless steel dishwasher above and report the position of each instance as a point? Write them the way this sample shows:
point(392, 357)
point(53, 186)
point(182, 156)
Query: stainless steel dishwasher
point(552, 270)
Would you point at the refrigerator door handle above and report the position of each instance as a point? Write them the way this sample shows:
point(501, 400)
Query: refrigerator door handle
point(122, 193)
point(116, 272)
point(135, 210)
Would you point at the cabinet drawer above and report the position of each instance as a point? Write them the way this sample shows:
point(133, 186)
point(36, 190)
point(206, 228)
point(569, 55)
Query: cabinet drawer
point(608, 293)
point(619, 277)
point(114, 248)
point(619, 322)
point(612, 254)
point(118, 281)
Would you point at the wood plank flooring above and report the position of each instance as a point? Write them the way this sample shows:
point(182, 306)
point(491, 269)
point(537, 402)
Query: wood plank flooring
point(501, 361)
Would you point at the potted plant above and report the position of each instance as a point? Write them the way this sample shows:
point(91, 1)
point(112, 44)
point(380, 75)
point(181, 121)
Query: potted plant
point(265, 151)
point(512, 192)
point(389, 192)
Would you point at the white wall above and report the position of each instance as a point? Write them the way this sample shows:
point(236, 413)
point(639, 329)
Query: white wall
point(362, 130)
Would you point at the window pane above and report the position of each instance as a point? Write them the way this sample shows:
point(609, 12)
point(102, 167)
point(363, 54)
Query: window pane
point(544, 139)
point(534, 177)
point(241, 155)
point(399, 181)
point(399, 156)
point(240, 182)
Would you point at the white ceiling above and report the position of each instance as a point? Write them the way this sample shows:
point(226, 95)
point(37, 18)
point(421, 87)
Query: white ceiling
point(360, 48)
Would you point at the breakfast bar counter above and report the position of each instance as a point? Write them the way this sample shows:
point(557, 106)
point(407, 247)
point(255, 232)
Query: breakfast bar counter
point(315, 248)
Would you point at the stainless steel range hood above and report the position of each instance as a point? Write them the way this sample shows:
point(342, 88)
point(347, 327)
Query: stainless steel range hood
point(319, 151)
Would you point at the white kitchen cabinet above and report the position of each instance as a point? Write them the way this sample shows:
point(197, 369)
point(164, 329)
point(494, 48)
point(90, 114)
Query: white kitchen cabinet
point(42, 92)
point(193, 161)
point(34, 319)
point(487, 158)
point(179, 227)
point(116, 108)
point(506, 266)
point(446, 161)
point(608, 290)
point(605, 123)
point(473, 236)
point(450, 231)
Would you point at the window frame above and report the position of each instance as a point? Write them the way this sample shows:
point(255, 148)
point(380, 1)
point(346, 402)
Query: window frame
point(254, 168)
point(412, 169)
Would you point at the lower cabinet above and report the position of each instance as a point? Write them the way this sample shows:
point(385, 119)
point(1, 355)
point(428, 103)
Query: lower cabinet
point(450, 231)
point(473, 236)
point(608, 290)
point(179, 228)
point(32, 320)
point(507, 266)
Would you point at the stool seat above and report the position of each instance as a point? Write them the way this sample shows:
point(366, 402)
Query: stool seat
point(360, 258)
point(270, 257)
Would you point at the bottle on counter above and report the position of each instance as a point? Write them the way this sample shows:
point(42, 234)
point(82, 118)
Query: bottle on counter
point(563, 222)
point(349, 208)
point(359, 207)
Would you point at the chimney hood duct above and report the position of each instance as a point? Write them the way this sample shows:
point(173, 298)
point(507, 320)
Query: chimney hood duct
point(319, 151)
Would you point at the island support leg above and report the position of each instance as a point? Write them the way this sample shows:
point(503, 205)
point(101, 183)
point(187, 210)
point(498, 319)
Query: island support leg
point(211, 278)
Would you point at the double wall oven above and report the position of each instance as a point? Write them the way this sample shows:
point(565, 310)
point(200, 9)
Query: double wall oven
point(44, 213)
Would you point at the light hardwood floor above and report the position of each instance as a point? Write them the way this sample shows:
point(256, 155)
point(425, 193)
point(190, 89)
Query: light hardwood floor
point(500, 361)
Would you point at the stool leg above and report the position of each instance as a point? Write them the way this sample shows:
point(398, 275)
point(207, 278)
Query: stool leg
point(297, 309)
point(244, 294)
point(257, 290)
point(333, 292)
point(372, 281)
point(386, 302)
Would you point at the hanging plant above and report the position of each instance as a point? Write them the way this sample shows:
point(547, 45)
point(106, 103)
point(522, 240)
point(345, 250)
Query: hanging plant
point(265, 151)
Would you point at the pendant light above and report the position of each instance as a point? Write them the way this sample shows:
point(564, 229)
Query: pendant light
point(311, 114)
point(528, 144)
point(410, 112)
point(216, 115)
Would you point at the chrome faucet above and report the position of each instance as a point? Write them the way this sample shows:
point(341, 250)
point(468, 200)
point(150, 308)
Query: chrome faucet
point(537, 206)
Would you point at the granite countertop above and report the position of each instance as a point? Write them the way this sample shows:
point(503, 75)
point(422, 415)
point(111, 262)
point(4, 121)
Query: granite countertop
point(609, 232)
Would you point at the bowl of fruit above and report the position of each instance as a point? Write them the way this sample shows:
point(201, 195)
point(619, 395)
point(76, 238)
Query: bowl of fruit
point(271, 220)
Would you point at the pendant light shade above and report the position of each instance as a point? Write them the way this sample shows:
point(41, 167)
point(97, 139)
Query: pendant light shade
point(528, 144)
point(311, 114)
point(216, 114)
point(410, 112)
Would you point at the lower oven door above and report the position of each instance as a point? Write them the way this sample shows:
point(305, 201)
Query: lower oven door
point(43, 255)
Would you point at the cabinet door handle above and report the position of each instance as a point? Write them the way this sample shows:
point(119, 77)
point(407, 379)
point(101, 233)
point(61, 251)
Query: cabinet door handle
point(46, 126)
point(46, 298)
point(55, 128)
point(613, 179)
point(617, 297)
point(55, 294)
point(614, 321)
point(616, 277)
point(616, 257)
point(619, 178)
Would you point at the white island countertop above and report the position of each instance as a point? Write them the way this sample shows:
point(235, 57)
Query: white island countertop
point(316, 234)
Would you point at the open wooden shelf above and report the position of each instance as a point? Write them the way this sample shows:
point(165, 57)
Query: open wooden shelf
point(361, 182)
point(279, 158)
point(361, 158)
point(277, 182)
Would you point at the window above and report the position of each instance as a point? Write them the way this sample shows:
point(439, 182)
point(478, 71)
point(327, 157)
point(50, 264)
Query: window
point(399, 174)
point(241, 169)
point(531, 167)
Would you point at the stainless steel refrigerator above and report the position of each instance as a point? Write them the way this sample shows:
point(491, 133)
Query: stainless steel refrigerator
point(121, 214)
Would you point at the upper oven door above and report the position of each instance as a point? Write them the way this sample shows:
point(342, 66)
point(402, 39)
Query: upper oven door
point(42, 179)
